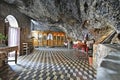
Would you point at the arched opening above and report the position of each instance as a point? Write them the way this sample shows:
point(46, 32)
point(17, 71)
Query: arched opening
point(12, 31)
point(50, 39)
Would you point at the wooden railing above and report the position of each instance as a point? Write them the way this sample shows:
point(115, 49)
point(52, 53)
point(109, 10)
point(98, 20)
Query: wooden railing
point(10, 49)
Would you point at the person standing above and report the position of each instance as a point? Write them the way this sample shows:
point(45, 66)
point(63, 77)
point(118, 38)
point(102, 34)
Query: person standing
point(71, 44)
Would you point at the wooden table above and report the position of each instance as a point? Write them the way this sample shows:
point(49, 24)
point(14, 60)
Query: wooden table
point(10, 49)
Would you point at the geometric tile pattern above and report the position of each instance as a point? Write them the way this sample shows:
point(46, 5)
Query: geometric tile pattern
point(54, 64)
point(6, 73)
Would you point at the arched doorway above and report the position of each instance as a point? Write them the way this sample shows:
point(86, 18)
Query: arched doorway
point(13, 31)
point(50, 39)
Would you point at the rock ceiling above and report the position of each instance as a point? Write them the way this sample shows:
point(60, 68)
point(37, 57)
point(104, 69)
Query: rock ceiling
point(74, 16)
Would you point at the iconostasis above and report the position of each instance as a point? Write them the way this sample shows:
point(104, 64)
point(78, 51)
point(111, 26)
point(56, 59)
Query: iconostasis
point(48, 38)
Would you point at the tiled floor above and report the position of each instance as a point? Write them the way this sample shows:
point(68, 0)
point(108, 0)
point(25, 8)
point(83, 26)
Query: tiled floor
point(52, 64)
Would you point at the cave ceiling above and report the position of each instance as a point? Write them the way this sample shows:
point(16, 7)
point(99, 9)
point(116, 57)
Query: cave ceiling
point(74, 16)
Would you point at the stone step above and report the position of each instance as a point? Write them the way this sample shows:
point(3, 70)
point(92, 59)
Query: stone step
point(111, 65)
point(113, 61)
point(115, 56)
point(110, 70)
point(107, 74)
point(114, 53)
point(112, 58)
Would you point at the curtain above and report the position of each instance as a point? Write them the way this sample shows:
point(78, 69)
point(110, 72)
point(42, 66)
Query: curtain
point(13, 38)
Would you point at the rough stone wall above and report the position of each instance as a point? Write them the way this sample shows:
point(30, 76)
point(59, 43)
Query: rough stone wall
point(1, 27)
point(7, 9)
point(76, 16)
point(23, 21)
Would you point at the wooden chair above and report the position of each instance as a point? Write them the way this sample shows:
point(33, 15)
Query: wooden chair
point(25, 48)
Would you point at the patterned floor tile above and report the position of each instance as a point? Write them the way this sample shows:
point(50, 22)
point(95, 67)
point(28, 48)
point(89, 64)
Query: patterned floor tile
point(51, 64)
